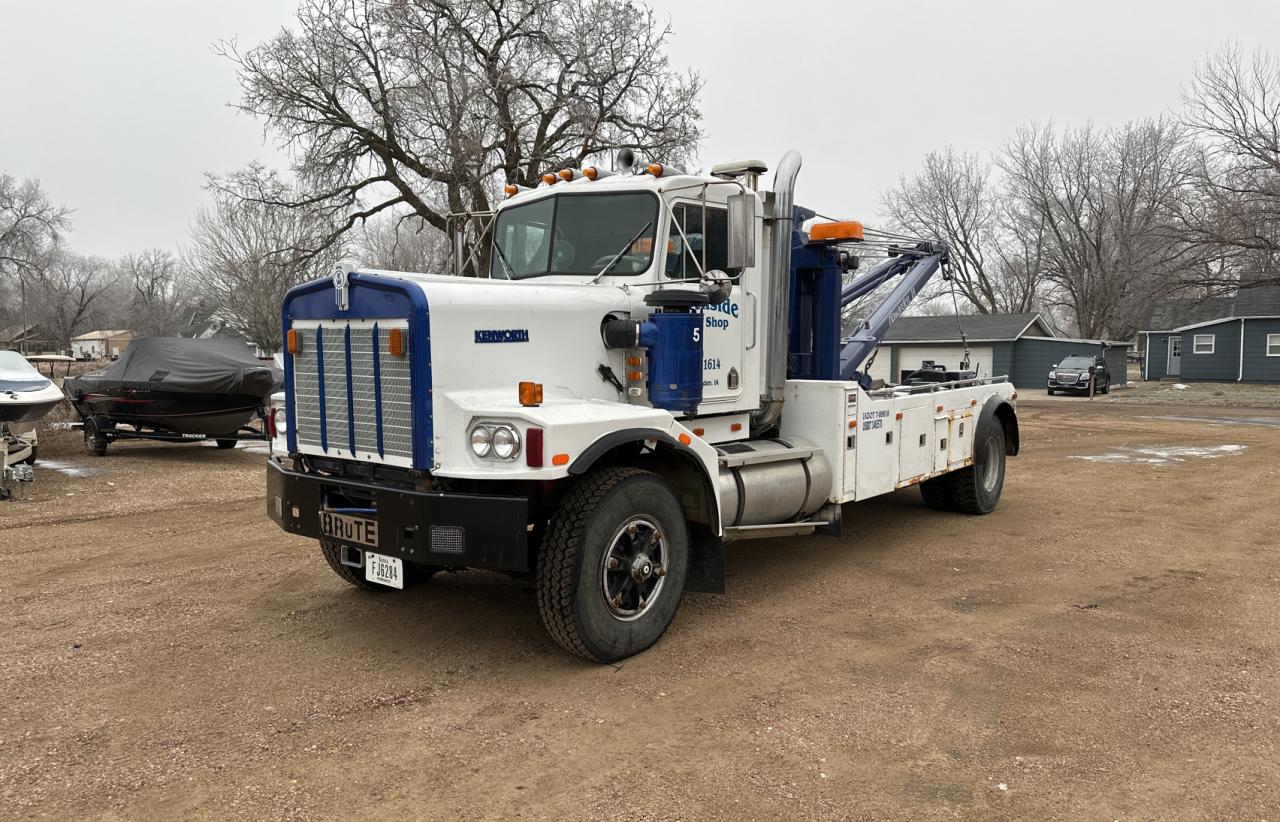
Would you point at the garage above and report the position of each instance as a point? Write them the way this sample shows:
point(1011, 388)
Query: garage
point(1022, 347)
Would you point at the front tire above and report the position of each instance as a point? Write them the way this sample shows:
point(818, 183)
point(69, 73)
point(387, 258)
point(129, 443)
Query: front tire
point(613, 563)
point(1050, 391)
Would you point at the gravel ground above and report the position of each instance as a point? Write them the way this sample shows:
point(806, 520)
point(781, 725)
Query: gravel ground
point(1103, 646)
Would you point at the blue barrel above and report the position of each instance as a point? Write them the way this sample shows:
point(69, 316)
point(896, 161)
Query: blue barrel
point(675, 360)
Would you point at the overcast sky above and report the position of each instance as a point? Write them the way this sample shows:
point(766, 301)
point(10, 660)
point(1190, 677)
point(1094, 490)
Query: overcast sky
point(120, 107)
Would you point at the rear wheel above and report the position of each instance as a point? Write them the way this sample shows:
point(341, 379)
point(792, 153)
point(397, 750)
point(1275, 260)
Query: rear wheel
point(612, 565)
point(95, 440)
point(332, 551)
point(977, 488)
point(938, 492)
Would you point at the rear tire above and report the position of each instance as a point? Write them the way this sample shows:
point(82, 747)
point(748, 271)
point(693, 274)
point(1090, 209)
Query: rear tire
point(95, 441)
point(613, 563)
point(977, 488)
point(938, 492)
point(413, 573)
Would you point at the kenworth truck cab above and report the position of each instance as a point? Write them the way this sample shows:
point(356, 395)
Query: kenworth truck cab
point(653, 368)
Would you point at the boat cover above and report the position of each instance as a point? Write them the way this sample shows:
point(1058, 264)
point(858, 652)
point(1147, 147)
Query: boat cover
point(18, 375)
point(214, 365)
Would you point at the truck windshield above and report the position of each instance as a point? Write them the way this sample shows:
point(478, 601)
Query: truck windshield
point(575, 234)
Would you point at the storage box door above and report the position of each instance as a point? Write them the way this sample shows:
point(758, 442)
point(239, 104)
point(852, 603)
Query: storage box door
point(915, 454)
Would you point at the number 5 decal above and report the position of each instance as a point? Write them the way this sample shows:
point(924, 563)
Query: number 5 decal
point(697, 333)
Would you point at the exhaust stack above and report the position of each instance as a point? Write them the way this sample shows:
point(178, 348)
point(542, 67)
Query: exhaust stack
point(784, 184)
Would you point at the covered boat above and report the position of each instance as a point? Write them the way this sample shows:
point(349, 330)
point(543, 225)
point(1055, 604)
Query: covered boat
point(188, 387)
point(26, 395)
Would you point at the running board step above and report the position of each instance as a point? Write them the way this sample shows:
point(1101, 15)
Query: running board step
point(781, 529)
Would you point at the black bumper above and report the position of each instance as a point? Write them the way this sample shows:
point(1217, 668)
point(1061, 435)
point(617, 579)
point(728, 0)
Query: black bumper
point(459, 530)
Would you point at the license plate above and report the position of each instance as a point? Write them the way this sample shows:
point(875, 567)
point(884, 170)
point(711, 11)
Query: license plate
point(346, 528)
point(384, 570)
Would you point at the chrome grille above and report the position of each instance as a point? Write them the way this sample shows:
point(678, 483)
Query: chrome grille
point(366, 373)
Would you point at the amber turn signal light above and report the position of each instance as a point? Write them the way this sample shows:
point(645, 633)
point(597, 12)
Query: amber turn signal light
point(395, 342)
point(293, 343)
point(531, 393)
point(843, 231)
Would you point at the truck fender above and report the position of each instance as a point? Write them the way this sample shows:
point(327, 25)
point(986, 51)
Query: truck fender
point(707, 557)
point(998, 410)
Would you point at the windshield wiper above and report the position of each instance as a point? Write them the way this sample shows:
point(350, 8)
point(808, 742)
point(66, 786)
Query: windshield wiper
point(511, 272)
point(621, 251)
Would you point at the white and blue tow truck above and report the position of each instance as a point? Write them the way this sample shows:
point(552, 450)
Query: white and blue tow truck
point(653, 368)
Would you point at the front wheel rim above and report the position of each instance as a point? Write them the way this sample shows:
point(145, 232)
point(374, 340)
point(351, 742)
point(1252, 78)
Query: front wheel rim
point(633, 569)
point(991, 465)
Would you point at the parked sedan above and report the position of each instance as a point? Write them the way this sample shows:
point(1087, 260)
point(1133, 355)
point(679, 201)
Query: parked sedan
point(1072, 374)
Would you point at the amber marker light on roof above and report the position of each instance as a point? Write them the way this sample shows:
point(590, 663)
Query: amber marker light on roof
point(655, 169)
point(550, 179)
point(842, 231)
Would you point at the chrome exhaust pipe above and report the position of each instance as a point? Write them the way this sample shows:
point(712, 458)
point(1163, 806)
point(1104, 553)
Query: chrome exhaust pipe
point(784, 184)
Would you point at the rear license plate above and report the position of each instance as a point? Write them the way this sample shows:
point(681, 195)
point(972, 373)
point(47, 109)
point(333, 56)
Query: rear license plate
point(384, 570)
point(346, 528)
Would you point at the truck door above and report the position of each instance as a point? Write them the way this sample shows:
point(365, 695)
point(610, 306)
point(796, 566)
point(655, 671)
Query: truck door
point(706, 239)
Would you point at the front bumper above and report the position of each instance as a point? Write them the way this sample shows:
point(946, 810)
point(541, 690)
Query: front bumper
point(427, 527)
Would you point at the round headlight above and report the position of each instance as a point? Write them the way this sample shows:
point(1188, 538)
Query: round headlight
point(506, 443)
point(481, 441)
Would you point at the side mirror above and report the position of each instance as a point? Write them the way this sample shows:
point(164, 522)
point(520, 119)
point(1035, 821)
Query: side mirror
point(742, 231)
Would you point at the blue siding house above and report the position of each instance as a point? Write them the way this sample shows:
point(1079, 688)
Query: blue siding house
point(1223, 339)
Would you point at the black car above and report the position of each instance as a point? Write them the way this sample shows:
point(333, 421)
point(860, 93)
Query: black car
point(1072, 374)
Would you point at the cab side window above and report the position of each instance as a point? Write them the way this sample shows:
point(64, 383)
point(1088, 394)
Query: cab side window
point(704, 242)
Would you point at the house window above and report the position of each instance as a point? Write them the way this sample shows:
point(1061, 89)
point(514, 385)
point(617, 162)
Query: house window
point(1273, 345)
point(1202, 344)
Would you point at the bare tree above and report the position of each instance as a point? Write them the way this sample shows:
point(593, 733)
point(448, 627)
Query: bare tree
point(1233, 105)
point(1103, 199)
point(64, 290)
point(245, 255)
point(156, 299)
point(432, 105)
point(955, 198)
point(398, 245)
point(30, 226)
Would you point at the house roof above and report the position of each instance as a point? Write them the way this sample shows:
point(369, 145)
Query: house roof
point(1181, 312)
point(103, 335)
point(977, 327)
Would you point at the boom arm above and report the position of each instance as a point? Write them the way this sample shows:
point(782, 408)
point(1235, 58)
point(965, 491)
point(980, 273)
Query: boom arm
point(916, 266)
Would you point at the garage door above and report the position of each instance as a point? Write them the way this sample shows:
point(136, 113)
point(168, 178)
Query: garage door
point(910, 356)
point(879, 369)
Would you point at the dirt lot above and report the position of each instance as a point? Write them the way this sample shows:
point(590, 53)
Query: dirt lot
point(1103, 646)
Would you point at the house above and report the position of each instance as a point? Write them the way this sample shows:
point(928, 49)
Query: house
point(96, 345)
point(30, 339)
point(202, 325)
point(1220, 339)
point(1020, 346)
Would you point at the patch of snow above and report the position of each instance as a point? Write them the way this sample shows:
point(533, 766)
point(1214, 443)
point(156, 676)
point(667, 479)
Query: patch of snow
point(1179, 386)
point(1163, 455)
point(68, 468)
